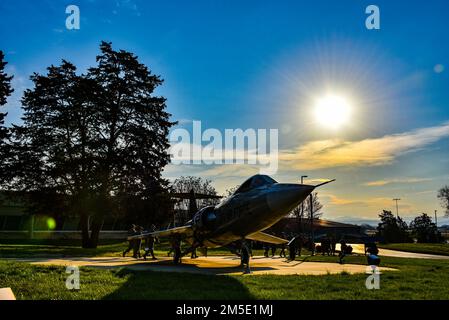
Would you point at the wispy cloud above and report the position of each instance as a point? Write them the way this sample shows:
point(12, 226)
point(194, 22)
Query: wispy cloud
point(379, 183)
point(367, 152)
point(127, 4)
point(373, 204)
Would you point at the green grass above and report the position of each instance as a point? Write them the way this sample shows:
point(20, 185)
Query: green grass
point(24, 250)
point(429, 248)
point(421, 279)
point(415, 279)
point(71, 248)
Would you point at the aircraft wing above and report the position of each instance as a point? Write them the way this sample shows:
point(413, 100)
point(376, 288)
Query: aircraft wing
point(265, 237)
point(184, 231)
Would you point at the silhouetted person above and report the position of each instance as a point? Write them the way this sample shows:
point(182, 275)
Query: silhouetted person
point(333, 245)
point(282, 253)
point(149, 247)
point(172, 247)
point(325, 246)
point(131, 243)
point(373, 260)
point(371, 248)
point(299, 244)
point(266, 249)
point(343, 250)
point(273, 250)
point(137, 243)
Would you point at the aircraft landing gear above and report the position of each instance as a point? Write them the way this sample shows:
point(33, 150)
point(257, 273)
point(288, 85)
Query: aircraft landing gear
point(244, 257)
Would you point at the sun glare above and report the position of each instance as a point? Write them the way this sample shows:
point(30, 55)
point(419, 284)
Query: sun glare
point(332, 111)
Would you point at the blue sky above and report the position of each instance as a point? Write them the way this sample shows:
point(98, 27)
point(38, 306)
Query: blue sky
point(259, 64)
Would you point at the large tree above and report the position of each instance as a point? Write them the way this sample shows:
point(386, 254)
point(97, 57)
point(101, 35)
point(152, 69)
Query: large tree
point(392, 229)
point(424, 229)
point(5, 92)
point(443, 195)
point(98, 139)
point(131, 131)
point(53, 148)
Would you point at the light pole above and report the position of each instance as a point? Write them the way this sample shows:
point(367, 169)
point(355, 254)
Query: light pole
point(397, 207)
point(436, 220)
point(312, 234)
point(302, 206)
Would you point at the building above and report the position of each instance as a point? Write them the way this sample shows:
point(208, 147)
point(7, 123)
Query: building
point(290, 226)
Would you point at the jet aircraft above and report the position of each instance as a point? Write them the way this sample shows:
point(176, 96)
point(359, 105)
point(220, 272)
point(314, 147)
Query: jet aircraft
point(255, 206)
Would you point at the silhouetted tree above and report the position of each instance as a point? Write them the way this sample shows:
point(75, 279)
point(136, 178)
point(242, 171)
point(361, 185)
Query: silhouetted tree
point(5, 92)
point(425, 230)
point(156, 210)
point(443, 195)
point(98, 139)
point(229, 192)
point(131, 131)
point(316, 204)
point(392, 229)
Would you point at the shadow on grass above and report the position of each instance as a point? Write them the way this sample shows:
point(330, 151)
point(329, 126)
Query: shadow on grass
point(210, 269)
point(173, 286)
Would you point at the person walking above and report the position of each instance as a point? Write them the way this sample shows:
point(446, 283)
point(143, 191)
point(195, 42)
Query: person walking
point(282, 253)
point(343, 250)
point(137, 243)
point(149, 247)
point(131, 243)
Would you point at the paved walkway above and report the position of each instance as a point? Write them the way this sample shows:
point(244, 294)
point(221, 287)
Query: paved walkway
point(360, 248)
point(217, 265)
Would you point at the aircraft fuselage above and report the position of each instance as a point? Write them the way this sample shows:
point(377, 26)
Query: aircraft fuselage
point(246, 213)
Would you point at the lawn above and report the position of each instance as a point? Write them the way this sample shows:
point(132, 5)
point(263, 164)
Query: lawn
point(416, 279)
point(71, 248)
point(429, 248)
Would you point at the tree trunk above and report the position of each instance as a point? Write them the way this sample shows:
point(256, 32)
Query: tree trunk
point(84, 225)
point(97, 224)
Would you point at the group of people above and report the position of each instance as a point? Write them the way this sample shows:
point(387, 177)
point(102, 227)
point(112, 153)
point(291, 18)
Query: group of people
point(328, 246)
point(267, 247)
point(136, 244)
point(295, 245)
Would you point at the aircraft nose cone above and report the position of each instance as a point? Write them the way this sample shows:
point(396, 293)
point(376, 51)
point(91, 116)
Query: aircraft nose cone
point(287, 196)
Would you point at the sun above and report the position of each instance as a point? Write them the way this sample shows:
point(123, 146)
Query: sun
point(332, 111)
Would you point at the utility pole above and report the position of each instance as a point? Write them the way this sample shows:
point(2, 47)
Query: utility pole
point(312, 238)
point(436, 219)
point(302, 207)
point(397, 207)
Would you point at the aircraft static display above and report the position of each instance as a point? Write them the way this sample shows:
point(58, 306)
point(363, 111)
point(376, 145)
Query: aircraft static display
point(255, 206)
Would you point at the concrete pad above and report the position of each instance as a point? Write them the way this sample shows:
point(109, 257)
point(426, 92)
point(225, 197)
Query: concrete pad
point(214, 265)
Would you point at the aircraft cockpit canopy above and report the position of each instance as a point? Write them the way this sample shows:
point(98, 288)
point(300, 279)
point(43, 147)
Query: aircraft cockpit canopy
point(255, 182)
